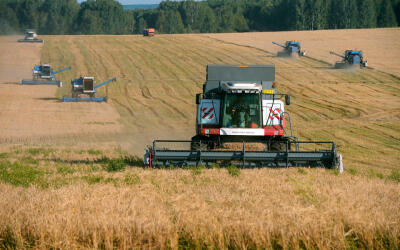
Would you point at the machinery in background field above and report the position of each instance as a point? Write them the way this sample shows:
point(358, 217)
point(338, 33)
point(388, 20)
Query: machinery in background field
point(86, 85)
point(44, 75)
point(290, 48)
point(149, 32)
point(350, 59)
point(240, 106)
point(30, 36)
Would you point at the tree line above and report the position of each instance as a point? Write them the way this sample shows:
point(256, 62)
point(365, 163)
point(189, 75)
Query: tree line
point(189, 16)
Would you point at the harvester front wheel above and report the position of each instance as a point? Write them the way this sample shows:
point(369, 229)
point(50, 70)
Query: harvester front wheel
point(198, 143)
point(278, 146)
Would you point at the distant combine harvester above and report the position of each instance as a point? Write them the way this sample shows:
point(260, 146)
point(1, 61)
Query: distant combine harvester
point(149, 32)
point(351, 59)
point(290, 49)
point(44, 75)
point(85, 85)
point(30, 36)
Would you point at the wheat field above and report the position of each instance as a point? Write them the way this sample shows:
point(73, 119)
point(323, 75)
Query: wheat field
point(71, 174)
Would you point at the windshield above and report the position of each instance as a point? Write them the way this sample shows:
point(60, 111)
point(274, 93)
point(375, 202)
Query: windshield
point(30, 35)
point(45, 70)
point(241, 111)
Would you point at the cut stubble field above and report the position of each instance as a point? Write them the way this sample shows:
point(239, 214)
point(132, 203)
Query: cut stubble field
point(153, 98)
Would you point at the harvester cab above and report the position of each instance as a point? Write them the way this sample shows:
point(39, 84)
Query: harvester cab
point(30, 36)
point(290, 48)
point(43, 71)
point(44, 75)
point(149, 32)
point(240, 107)
point(350, 59)
point(86, 85)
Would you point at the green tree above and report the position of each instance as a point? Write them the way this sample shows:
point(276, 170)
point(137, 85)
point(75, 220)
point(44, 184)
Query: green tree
point(101, 16)
point(316, 14)
point(28, 13)
point(58, 16)
point(386, 17)
point(396, 8)
point(9, 22)
point(170, 21)
point(130, 22)
point(367, 14)
point(343, 14)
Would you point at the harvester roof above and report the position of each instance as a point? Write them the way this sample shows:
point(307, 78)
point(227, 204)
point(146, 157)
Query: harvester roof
point(222, 77)
point(354, 52)
point(293, 43)
point(231, 87)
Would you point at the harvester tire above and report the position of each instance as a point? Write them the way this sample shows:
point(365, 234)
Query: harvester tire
point(278, 146)
point(198, 143)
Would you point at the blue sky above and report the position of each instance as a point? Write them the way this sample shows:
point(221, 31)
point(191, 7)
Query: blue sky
point(135, 1)
point(139, 1)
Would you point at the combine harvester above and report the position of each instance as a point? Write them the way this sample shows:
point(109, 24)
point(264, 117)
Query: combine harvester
point(44, 75)
point(291, 48)
point(240, 106)
point(149, 32)
point(30, 36)
point(85, 85)
point(351, 59)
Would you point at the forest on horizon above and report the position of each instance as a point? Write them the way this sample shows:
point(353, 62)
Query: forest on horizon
point(189, 16)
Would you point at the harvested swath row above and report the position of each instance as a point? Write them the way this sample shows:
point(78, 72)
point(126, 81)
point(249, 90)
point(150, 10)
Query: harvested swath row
point(321, 96)
point(380, 46)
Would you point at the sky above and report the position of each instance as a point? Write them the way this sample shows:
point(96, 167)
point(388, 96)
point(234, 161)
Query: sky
point(139, 1)
point(135, 1)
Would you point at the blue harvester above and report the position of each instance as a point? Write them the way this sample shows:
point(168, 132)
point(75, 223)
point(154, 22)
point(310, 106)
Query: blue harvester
point(350, 59)
point(290, 48)
point(85, 85)
point(44, 75)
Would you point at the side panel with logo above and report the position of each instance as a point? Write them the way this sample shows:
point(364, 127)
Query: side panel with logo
point(208, 112)
point(272, 112)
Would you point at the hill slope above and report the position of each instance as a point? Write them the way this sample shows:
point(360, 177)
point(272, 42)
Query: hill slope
point(158, 78)
point(57, 194)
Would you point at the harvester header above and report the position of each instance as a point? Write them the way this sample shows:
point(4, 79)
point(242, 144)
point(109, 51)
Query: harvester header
point(239, 107)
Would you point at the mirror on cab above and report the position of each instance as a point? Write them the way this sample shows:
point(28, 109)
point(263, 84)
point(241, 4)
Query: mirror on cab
point(198, 98)
point(287, 99)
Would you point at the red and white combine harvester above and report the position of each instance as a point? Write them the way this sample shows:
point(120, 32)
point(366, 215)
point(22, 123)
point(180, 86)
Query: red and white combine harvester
point(242, 120)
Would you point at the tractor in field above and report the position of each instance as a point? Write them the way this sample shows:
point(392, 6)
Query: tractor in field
point(30, 36)
point(351, 58)
point(149, 32)
point(44, 75)
point(240, 106)
point(290, 48)
point(86, 86)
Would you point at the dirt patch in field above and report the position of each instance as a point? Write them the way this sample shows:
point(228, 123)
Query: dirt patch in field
point(33, 115)
point(17, 59)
